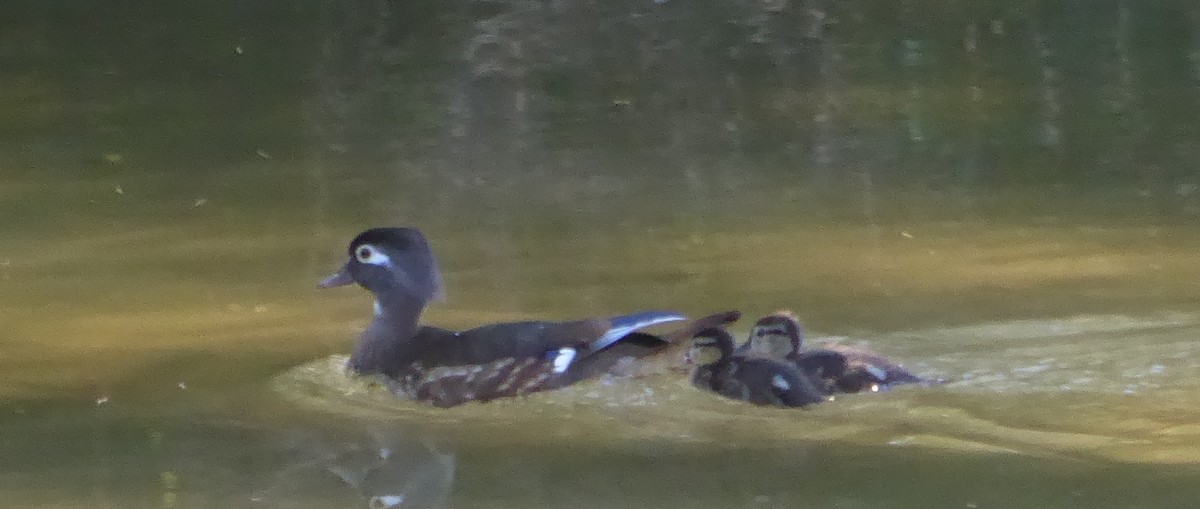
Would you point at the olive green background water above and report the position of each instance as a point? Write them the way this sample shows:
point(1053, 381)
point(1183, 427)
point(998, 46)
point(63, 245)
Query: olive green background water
point(1001, 195)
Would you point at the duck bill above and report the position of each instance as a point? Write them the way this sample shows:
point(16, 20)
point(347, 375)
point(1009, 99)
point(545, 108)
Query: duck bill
point(339, 278)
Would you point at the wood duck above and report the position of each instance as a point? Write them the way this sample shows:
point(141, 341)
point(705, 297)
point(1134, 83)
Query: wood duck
point(757, 380)
point(776, 337)
point(839, 368)
point(447, 367)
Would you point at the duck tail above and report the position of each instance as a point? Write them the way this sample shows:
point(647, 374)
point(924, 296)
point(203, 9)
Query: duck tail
point(713, 321)
point(671, 357)
point(621, 326)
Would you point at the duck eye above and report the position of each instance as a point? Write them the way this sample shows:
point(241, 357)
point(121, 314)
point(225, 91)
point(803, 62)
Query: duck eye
point(370, 254)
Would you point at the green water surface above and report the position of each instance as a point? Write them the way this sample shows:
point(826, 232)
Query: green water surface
point(1001, 196)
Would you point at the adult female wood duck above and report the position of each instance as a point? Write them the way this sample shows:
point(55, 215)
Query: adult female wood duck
point(446, 367)
point(779, 336)
point(757, 380)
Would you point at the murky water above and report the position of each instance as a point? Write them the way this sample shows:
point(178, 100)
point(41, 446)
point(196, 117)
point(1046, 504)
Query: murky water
point(215, 386)
point(174, 183)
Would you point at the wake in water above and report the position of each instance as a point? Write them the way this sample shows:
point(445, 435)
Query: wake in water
point(1110, 386)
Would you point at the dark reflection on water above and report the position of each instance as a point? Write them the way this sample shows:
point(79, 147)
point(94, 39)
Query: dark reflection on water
point(389, 465)
point(855, 98)
point(1000, 194)
point(104, 459)
point(159, 397)
point(100, 461)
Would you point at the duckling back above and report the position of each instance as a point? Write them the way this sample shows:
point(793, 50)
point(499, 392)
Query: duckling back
point(770, 382)
point(753, 379)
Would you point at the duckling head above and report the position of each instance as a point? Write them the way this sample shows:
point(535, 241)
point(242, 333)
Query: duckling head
point(709, 346)
point(776, 335)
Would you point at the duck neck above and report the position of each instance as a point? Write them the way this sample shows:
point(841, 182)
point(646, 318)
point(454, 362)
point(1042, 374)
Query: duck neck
point(397, 317)
point(708, 374)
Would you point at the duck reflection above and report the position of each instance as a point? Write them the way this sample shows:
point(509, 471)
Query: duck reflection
point(387, 466)
point(392, 473)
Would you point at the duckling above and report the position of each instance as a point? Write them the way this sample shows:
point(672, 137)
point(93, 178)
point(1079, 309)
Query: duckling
point(840, 368)
point(775, 337)
point(757, 380)
point(447, 367)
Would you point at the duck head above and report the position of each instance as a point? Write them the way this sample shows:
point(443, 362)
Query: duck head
point(710, 346)
point(391, 262)
point(776, 335)
point(397, 266)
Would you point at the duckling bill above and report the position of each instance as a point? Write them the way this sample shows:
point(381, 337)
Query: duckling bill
point(447, 367)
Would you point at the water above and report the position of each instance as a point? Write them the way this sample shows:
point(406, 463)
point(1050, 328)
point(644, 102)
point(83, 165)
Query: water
point(174, 184)
point(219, 388)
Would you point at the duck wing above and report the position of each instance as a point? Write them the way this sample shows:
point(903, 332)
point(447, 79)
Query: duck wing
point(533, 339)
point(641, 354)
point(825, 368)
point(865, 368)
point(447, 386)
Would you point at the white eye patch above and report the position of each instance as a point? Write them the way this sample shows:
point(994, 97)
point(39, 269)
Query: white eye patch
point(386, 501)
point(370, 254)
